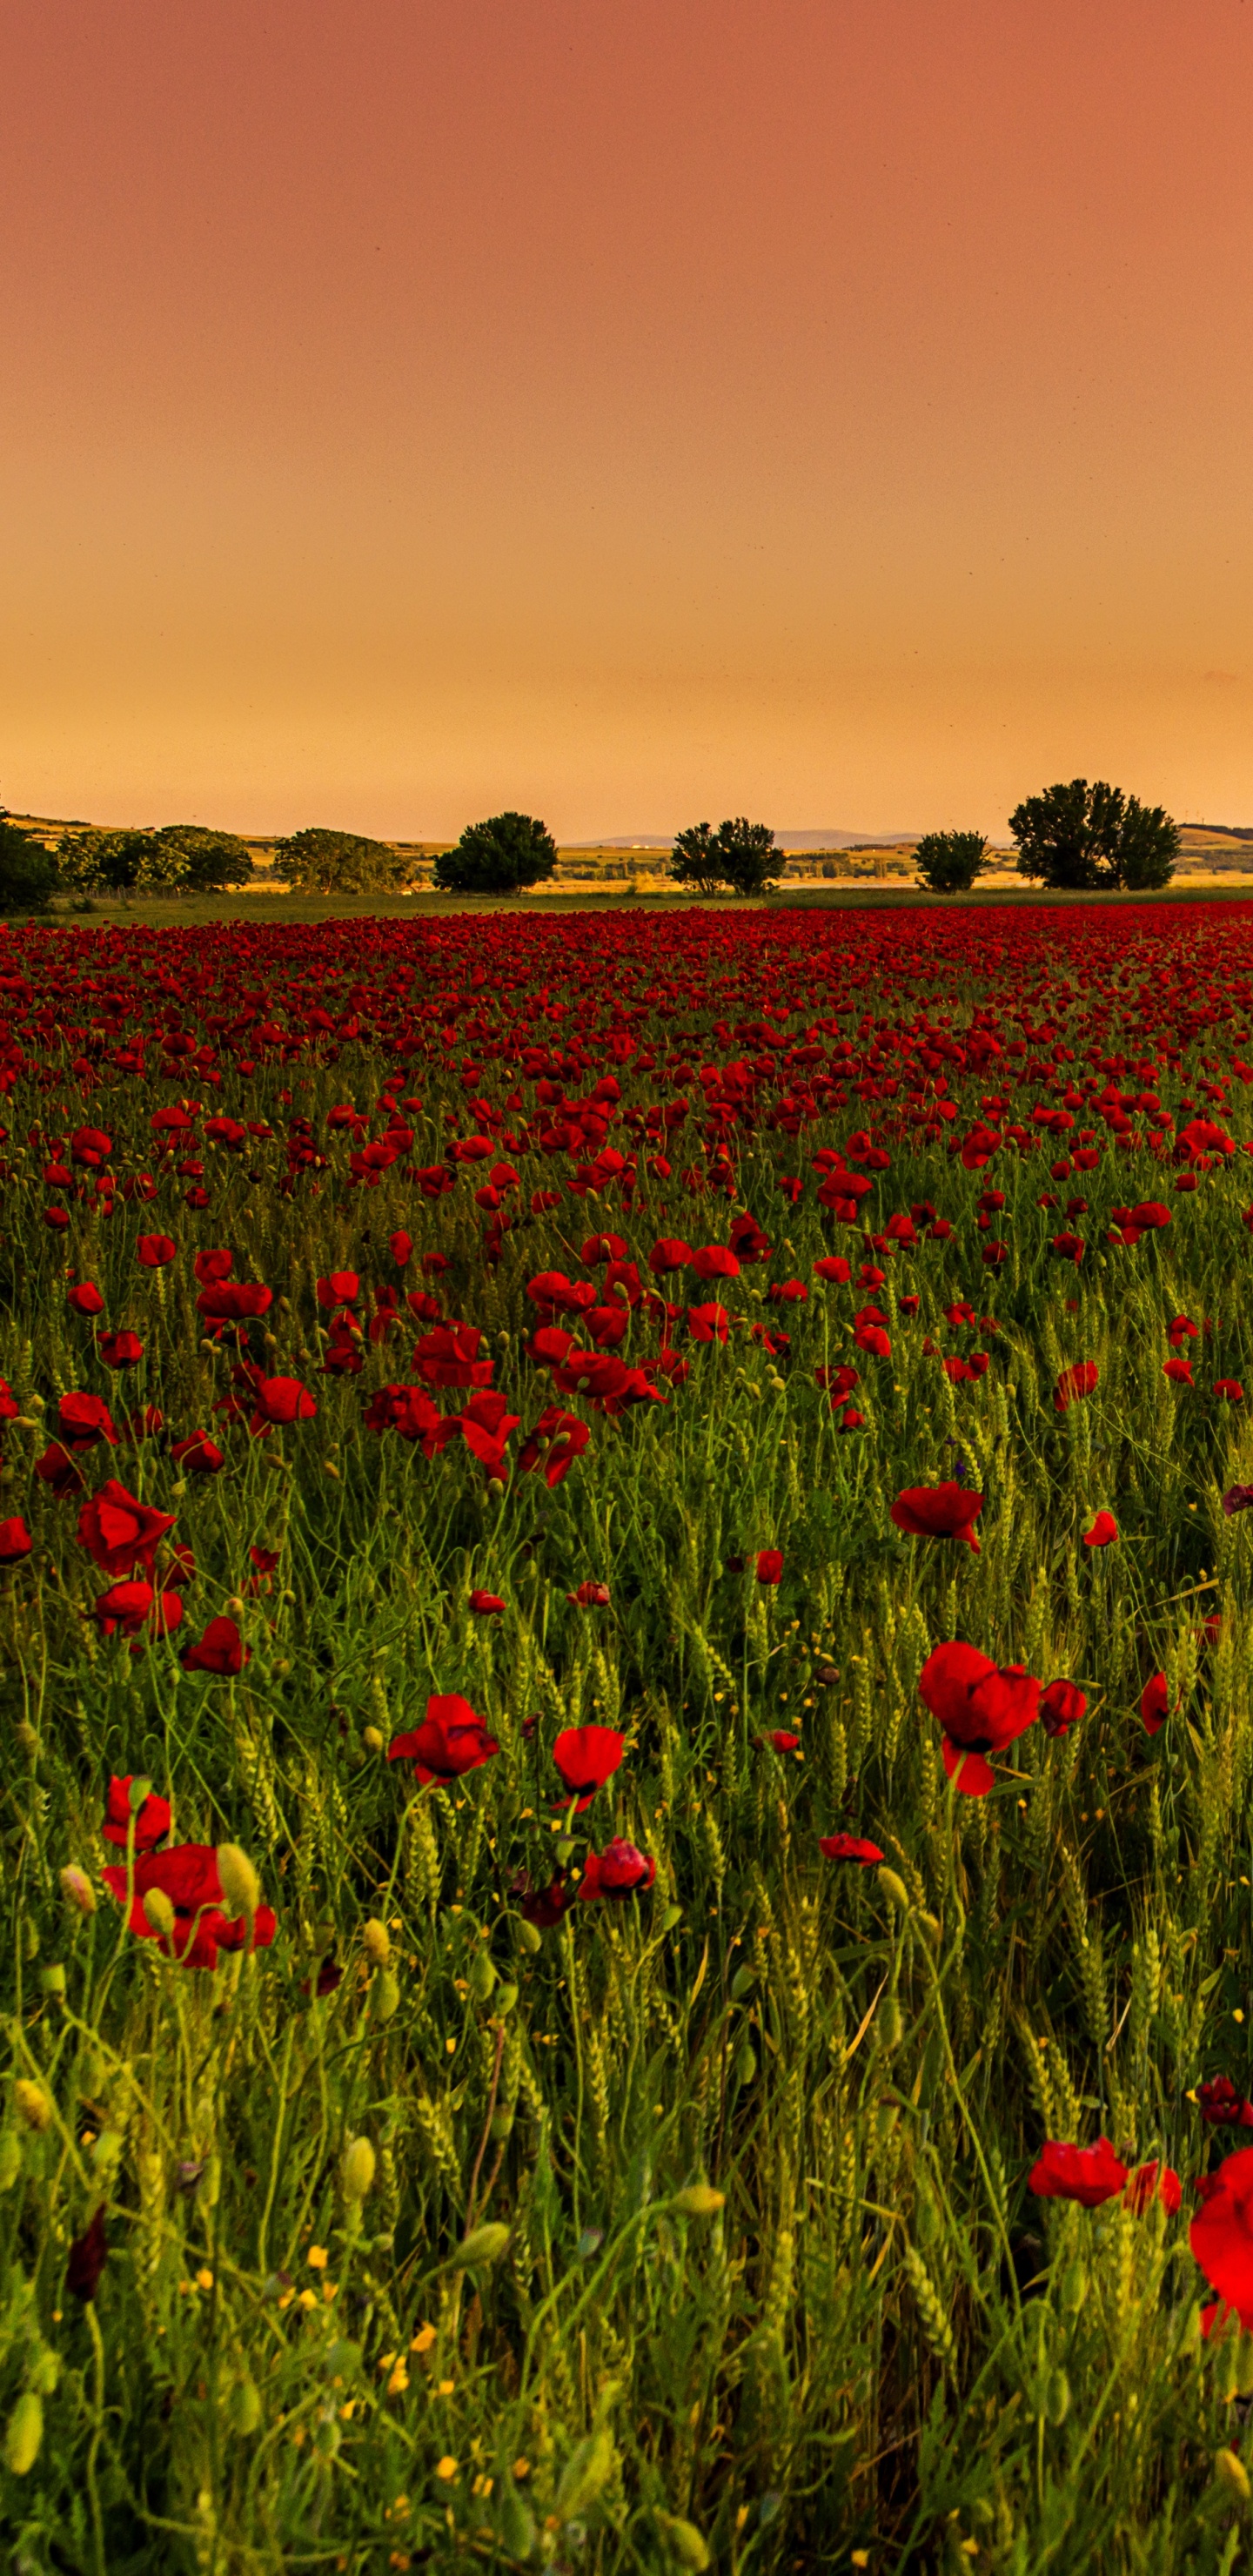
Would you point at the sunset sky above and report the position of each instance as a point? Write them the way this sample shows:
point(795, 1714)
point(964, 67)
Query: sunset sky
point(839, 411)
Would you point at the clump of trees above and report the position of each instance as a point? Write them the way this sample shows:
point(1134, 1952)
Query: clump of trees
point(739, 854)
point(213, 860)
point(1083, 840)
point(28, 872)
point(949, 862)
point(322, 861)
point(501, 856)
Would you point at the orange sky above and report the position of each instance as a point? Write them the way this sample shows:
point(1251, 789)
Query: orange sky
point(632, 410)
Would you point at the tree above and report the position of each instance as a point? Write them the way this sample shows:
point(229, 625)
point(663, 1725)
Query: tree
point(747, 859)
point(500, 856)
point(213, 860)
point(124, 863)
point(1094, 839)
point(696, 860)
point(322, 861)
point(949, 862)
point(28, 872)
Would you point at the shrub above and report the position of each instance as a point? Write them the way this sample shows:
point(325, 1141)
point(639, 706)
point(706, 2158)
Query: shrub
point(501, 856)
point(1094, 839)
point(949, 862)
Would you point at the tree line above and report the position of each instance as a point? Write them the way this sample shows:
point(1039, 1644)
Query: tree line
point(1073, 838)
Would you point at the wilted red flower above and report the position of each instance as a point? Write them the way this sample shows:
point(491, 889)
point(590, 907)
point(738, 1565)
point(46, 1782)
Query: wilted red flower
point(1074, 1382)
point(220, 1650)
point(1237, 1498)
point(1152, 2182)
point(1089, 2175)
point(981, 1706)
point(152, 1818)
point(188, 1875)
point(82, 1420)
point(278, 1401)
point(119, 1532)
point(769, 1565)
point(487, 1605)
point(1154, 1704)
point(1062, 1705)
point(590, 1596)
point(156, 1250)
point(849, 1847)
point(938, 1511)
point(544, 1906)
point(120, 1350)
point(1221, 2234)
point(1222, 2106)
point(1103, 1532)
point(87, 2258)
point(85, 1298)
point(15, 1541)
point(619, 1871)
point(587, 1756)
point(451, 1741)
point(197, 1455)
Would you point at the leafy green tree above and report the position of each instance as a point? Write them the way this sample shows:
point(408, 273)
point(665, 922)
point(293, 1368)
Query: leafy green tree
point(322, 861)
point(28, 872)
point(747, 859)
point(500, 856)
point(696, 860)
point(1094, 839)
point(214, 860)
point(125, 863)
point(949, 862)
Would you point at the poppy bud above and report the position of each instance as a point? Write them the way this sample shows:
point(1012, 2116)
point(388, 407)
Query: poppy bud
point(1057, 2397)
point(240, 1888)
point(377, 1942)
point(699, 2200)
point(159, 1912)
point(243, 2407)
point(687, 2544)
point(1233, 2474)
point(482, 2245)
point(33, 2105)
point(529, 1934)
point(1074, 2287)
point(1244, 2365)
point(930, 1924)
point(506, 1998)
point(25, 2433)
point(372, 1739)
point(894, 1889)
point(745, 2064)
point(357, 2168)
point(76, 1885)
point(52, 1979)
point(742, 1984)
point(384, 1994)
point(891, 2022)
point(482, 1976)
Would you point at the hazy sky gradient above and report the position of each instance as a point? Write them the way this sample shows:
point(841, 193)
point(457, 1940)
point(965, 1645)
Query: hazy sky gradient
point(623, 410)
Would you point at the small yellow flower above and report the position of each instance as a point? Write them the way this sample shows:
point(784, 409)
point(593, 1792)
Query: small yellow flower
point(423, 2339)
point(308, 2298)
point(318, 2257)
point(330, 2290)
point(445, 2387)
point(399, 2381)
point(204, 2278)
point(522, 2467)
point(446, 2469)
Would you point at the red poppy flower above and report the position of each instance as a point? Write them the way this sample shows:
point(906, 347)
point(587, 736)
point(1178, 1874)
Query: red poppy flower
point(1221, 2234)
point(400, 1246)
point(669, 1253)
point(220, 1650)
point(134, 1607)
point(448, 1356)
point(590, 1596)
point(619, 1871)
point(1089, 2175)
point(197, 1455)
point(87, 2258)
point(15, 1541)
point(188, 1875)
point(89, 1146)
point(1152, 2182)
point(1222, 2106)
point(872, 1338)
point(119, 1532)
point(486, 1605)
point(56, 1469)
point(938, 1511)
point(450, 1742)
point(544, 1906)
point(233, 1301)
point(85, 1298)
point(849, 1847)
point(340, 1289)
point(264, 1558)
point(82, 1420)
point(152, 1818)
point(120, 1350)
point(981, 1706)
point(1230, 1389)
point(708, 1323)
point(587, 1756)
point(1103, 1532)
point(211, 1267)
point(278, 1401)
point(1074, 1382)
point(155, 1251)
point(1179, 1370)
point(1154, 1704)
point(769, 1565)
point(833, 1266)
point(713, 1261)
point(1062, 1705)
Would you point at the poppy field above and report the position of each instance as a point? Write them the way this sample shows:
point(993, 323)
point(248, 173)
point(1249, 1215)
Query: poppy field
point(627, 1730)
